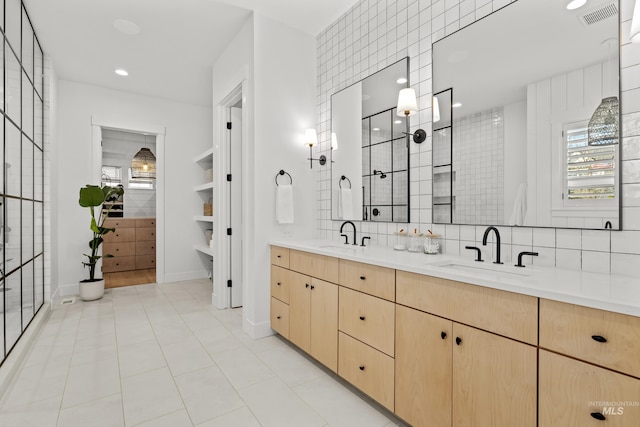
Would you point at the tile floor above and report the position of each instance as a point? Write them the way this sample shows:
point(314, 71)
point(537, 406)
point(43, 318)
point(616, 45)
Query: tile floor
point(161, 355)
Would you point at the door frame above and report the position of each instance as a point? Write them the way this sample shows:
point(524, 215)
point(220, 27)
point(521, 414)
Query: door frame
point(97, 123)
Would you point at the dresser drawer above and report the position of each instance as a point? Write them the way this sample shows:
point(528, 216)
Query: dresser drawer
point(280, 317)
point(368, 369)
point(145, 222)
point(120, 223)
point(145, 234)
point(144, 262)
point(121, 235)
point(146, 248)
point(504, 313)
point(370, 279)
point(578, 331)
point(119, 249)
point(319, 266)
point(280, 278)
point(280, 256)
point(570, 391)
point(123, 263)
point(367, 318)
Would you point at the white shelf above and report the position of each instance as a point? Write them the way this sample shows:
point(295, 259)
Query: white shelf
point(207, 156)
point(204, 249)
point(203, 218)
point(203, 187)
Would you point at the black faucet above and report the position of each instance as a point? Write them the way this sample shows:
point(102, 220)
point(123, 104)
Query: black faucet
point(520, 264)
point(355, 241)
point(478, 253)
point(484, 242)
point(608, 225)
point(364, 237)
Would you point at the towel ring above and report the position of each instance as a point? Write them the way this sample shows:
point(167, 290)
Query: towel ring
point(283, 173)
point(342, 178)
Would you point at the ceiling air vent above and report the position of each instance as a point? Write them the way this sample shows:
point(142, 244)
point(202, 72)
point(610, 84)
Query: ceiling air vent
point(600, 13)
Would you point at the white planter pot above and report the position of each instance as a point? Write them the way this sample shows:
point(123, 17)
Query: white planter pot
point(90, 291)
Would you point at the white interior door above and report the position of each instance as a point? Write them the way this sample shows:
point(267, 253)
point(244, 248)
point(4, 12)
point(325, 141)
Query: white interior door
point(235, 206)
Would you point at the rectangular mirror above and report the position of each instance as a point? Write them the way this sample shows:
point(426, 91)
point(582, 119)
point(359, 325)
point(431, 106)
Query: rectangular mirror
point(370, 151)
point(532, 94)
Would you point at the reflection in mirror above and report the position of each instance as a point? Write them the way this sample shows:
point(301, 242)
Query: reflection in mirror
point(370, 153)
point(534, 132)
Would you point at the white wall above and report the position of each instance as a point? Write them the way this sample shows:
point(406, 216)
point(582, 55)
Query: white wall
point(188, 132)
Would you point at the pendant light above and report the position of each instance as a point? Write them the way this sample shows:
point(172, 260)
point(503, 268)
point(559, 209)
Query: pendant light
point(143, 165)
point(603, 128)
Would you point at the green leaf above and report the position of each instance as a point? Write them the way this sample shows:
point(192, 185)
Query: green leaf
point(91, 196)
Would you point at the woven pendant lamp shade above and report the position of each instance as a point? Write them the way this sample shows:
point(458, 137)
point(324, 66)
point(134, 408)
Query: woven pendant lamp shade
point(604, 124)
point(143, 164)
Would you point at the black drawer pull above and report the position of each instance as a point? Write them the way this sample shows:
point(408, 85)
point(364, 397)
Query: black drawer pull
point(362, 367)
point(152, 247)
point(278, 256)
point(278, 317)
point(458, 340)
point(598, 338)
point(313, 287)
point(278, 283)
point(363, 278)
point(443, 335)
point(361, 317)
point(598, 416)
point(306, 285)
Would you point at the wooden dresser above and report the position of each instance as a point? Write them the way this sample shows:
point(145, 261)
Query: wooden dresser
point(133, 244)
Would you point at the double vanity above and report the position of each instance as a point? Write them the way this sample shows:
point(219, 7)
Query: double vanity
point(446, 341)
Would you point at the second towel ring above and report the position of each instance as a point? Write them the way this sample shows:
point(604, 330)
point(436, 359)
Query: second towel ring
point(282, 172)
point(343, 178)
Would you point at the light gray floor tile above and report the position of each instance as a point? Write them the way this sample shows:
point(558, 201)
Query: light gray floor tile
point(149, 395)
point(242, 367)
point(239, 418)
point(186, 355)
point(104, 412)
point(91, 381)
point(176, 419)
point(140, 357)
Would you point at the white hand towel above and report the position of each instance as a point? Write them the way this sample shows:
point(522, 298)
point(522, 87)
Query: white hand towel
point(284, 204)
point(519, 206)
point(346, 203)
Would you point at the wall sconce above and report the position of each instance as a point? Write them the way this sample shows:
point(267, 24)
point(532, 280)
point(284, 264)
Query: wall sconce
point(143, 164)
point(311, 139)
point(635, 24)
point(408, 106)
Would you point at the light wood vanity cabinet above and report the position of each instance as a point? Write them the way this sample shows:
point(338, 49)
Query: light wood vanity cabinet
point(132, 244)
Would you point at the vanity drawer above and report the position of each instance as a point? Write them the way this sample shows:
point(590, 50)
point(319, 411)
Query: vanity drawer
point(144, 262)
point(367, 318)
point(280, 317)
point(119, 223)
point(574, 330)
point(120, 235)
point(119, 249)
point(121, 263)
point(504, 313)
point(146, 222)
point(145, 234)
point(370, 279)
point(319, 266)
point(146, 248)
point(368, 369)
point(280, 278)
point(280, 256)
point(570, 391)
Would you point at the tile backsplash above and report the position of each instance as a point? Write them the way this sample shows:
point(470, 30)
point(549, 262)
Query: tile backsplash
point(376, 33)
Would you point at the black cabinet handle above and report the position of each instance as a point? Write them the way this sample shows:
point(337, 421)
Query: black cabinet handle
point(443, 335)
point(278, 256)
point(363, 278)
point(306, 285)
point(598, 416)
point(599, 338)
point(313, 287)
point(458, 340)
point(278, 317)
point(278, 283)
point(361, 317)
point(362, 367)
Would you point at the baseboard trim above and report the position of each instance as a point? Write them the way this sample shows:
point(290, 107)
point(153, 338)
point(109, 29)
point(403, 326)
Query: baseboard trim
point(257, 330)
point(187, 275)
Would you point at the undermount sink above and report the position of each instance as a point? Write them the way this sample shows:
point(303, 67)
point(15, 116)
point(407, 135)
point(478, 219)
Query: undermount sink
point(484, 268)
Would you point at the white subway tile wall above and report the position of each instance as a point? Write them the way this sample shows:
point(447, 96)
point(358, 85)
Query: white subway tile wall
point(376, 33)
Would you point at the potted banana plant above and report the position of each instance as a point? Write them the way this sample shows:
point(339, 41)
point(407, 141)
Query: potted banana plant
point(92, 197)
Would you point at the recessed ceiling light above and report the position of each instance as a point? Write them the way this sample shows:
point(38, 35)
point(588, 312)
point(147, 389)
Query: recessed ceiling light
point(376, 129)
point(398, 122)
point(456, 105)
point(126, 27)
point(122, 72)
point(401, 80)
point(574, 4)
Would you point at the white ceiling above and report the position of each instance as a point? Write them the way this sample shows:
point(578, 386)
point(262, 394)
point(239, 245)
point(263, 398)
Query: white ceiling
point(179, 41)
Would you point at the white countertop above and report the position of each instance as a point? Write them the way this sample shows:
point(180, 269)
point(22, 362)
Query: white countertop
point(620, 294)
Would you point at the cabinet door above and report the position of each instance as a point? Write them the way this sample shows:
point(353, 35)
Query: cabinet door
point(280, 317)
point(494, 380)
point(324, 323)
point(423, 368)
point(574, 393)
point(300, 310)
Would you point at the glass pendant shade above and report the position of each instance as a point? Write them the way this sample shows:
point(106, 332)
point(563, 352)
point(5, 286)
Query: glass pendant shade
point(604, 124)
point(407, 104)
point(143, 164)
